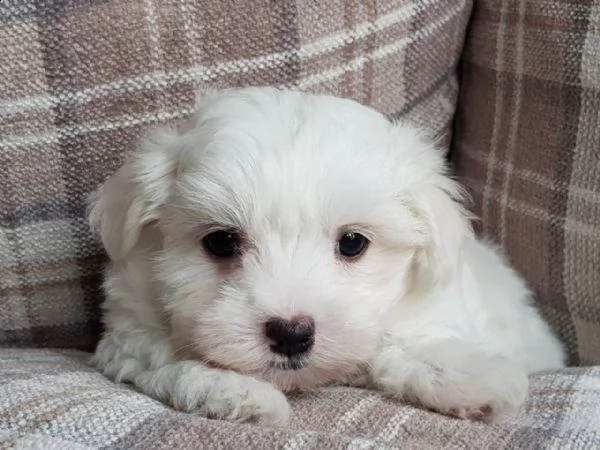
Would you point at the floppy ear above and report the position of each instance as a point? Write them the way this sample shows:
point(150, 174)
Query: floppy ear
point(439, 205)
point(132, 197)
point(436, 201)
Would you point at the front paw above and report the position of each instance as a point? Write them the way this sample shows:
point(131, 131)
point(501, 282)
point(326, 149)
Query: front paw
point(219, 394)
point(486, 394)
point(245, 399)
point(466, 385)
point(485, 413)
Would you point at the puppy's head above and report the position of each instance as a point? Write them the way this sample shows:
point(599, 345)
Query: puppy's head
point(290, 226)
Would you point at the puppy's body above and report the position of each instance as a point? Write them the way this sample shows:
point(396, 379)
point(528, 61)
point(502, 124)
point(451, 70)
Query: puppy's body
point(423, 311)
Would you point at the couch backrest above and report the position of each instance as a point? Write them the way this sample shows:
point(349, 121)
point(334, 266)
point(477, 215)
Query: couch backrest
point(82, 80)
point(528, 147)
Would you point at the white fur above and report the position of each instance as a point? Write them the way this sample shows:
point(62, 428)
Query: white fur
point(428, 313)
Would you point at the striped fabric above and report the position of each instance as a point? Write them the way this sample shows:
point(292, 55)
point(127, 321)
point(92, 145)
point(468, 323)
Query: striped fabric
point(82, 79)
point(528, 147)
point(53, 400)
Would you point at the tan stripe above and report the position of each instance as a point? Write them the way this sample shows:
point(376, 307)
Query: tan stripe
point(498, 109)
point(392, 429)
point(51, 407)
point(301, 440)
point(345, 83)
point(346, 421)
point(365, 444)
point(190, 33)
point(123, 122)
point(156, 54)
point(154, 35)
point(38, 441)
point(351, 417)
point(377, 54)
point(514, 122)
point(588, 195)
point(571, 225)
point(389, 432)
point(369, 69)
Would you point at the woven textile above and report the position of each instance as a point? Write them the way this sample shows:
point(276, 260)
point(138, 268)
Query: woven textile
point(83, 79)
point(528, 147)
point(52, 399)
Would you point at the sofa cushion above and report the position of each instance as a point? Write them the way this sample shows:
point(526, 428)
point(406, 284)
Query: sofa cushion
point(527, 145)
point(53, 399)
point(81, 80)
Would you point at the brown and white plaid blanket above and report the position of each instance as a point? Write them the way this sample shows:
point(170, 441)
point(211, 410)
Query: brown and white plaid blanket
point(53, 400)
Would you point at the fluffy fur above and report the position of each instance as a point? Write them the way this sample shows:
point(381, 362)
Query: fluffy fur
point(428, 313)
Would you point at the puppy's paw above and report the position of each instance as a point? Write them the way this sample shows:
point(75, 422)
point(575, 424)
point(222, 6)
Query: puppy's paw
point(454, 380)
point(486, 394)
point(245, 399)
point(484, 413)
point(217, 394)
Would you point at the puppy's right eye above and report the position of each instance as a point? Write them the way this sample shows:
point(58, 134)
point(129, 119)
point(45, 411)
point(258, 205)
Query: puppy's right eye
point(222, 244)
point(352, 245)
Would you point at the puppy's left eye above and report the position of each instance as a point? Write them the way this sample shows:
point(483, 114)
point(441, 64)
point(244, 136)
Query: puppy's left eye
point(222, 243)
point(351, 245)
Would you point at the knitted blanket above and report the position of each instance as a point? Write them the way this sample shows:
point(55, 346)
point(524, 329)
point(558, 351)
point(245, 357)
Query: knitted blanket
point(53, 399)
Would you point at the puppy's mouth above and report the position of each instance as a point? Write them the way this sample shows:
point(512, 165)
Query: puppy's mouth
point(289, 364)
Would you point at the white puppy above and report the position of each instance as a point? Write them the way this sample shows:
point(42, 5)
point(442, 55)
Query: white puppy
point(283, 241)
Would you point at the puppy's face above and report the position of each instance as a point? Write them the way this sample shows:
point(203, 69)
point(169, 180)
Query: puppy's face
point(290, 227)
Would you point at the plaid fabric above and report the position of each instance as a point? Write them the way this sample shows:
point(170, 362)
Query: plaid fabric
point(52, 399)
point(527, 145)
point(82, 79)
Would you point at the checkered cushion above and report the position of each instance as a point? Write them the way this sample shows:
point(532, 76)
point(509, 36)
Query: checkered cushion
point(54, 400)
point(82, 79)
point(528, 146)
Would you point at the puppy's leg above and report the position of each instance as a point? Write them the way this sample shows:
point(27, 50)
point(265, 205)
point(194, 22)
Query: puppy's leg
point(452, 377)
point(146, 361)
point(193, 387)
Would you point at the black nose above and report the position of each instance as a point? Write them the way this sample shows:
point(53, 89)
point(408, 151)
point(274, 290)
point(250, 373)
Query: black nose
point(291, 337)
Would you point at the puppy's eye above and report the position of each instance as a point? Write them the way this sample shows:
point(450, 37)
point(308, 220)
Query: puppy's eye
point(351, 245)
point(222, 244)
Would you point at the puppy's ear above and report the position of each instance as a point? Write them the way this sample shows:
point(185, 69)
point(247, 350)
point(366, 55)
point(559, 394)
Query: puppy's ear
point(132, 197)
point(436, 202)
point(439, 205)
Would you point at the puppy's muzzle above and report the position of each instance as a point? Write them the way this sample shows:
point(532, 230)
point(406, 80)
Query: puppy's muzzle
point(290, 337)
